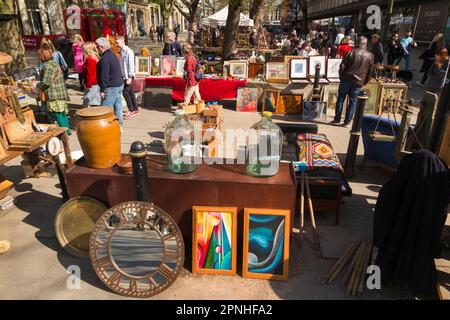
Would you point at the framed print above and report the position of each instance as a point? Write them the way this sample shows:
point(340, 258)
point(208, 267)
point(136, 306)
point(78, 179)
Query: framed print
point(390, 92)
point(314, 110)
point(287, 59)
point(266, 244)
point(277, 72)
point(330, 95)
point(247, 99)
point(289, 104)
point(270, 100)
point(214, 240)
point(373, 90)
point(180, 67)
point(298, 69)
point(143, 65)
point(167, 65)
point(313, 61)
point(333, 69)
point(239, 69)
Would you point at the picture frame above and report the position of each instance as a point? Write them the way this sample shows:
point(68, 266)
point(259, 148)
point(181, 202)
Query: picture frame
point(277, 72)
point(391, 91)
point(239, 69)
point(331, 94)
point(208, 222)
point(180, 67)
point(314, 110)
point(143, 66)
point(289, 104)
point(372, 103)
point(167, 65)
point(298, 69)
point(247, 99)
point(262, 259)
point(270, 100)
point(312, 61)
point(333, 65)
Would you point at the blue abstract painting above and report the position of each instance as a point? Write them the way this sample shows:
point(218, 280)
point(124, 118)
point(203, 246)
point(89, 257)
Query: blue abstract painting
point(266, 244)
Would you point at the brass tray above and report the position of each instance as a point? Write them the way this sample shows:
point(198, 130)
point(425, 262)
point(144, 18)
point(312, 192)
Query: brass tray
point(74, 223)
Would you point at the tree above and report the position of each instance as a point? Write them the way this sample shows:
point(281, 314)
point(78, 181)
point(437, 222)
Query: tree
point(192, 11)
point(12, 44)
point(231, 28)
point(304, 8)
point(255, 12)
point(166, 11)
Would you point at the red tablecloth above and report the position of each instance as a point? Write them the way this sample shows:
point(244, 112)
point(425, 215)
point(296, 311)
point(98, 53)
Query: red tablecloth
point(210, 90)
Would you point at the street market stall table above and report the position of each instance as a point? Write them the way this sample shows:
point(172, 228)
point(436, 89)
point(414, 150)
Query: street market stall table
point(210, 185)
point(210, 89)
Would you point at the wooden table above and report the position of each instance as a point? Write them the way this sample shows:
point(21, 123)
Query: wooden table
point(210, 185)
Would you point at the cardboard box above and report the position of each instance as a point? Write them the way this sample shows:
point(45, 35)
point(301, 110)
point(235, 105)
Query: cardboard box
point(213, 111)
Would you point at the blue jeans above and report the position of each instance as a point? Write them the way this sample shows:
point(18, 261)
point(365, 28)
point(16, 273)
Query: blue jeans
point(407, 58)
point(113, 98)
point(347, 88)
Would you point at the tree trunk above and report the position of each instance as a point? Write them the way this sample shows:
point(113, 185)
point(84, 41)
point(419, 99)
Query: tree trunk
point(11, 43)
point(304, 8)
point(255, 12)
point(166, 12)
point(231, 28)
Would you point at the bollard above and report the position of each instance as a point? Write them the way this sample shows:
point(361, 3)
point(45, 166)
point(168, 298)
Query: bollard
point(138, 153)
point(355, 133)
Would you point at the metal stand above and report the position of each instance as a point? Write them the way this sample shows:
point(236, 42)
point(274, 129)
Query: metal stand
point(355, 133)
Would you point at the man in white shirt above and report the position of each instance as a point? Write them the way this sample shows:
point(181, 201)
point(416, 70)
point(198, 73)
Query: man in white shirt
point(340, 36)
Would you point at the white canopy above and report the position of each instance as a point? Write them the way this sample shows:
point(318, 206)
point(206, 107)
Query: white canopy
point(220, 19)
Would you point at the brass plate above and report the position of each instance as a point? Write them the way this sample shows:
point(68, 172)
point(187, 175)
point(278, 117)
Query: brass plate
point(74, 223)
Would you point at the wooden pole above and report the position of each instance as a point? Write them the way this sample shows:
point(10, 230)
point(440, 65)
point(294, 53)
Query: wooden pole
point(339, 265)
point(311, 215)
point(302, 205)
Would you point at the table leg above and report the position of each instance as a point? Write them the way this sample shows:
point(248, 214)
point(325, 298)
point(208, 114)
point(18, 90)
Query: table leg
point(65, 140)
point(302, 206)
point(311, 214)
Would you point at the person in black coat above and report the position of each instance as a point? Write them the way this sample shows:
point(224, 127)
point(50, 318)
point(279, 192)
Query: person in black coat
point(394, 49)
point(172, 47)
point(428, 56)
point(377, 50)
point(409, 218)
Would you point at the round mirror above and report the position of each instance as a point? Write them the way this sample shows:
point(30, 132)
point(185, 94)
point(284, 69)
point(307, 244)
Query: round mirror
point(137, 249)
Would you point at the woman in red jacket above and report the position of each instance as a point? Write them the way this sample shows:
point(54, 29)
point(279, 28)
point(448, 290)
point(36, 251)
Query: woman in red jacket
point(345, 47)
point(92, 90)
point(190, 68)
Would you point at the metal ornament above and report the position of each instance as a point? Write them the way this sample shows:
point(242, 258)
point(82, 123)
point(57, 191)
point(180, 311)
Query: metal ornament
point(74, 223)
point(54, 146)
point(124, 249)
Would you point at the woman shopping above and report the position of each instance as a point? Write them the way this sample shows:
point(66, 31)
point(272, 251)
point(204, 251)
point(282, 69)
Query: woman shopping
point(190, 69)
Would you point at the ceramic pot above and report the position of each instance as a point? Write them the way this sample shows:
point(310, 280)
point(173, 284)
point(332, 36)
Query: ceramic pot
point(98, 132)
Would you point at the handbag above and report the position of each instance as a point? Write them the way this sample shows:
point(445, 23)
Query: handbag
point(42, 93)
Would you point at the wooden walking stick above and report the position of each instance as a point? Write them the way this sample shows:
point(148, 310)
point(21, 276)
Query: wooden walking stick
point(354, 283)
point(363, 271)
point(311, 214)
point(339, 265)
point(302, 206)
point(349, 271)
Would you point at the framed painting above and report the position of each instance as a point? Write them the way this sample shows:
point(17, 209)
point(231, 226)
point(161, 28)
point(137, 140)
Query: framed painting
point(372, 103)
point(180, 67)
point(287, 59)
point(266, 244)
point(143, 65)
point(330, 95)
point(247, 99)
point(389, 93)
point(214, 240)
point(314, 110)
point(270, 100)
point(239, 69)
point(168, 65)
point(313, 61)
point(289, 104)
point(277, 72)
point(333, 69)
point(298, 69)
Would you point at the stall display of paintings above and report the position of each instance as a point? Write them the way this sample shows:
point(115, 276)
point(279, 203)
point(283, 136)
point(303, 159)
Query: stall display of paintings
point(143, 65)
point(270, 100)
point(313, 61)
point(214, 240)
point(277, 72)
point(239, 69)
point(314, 110)
point(168, 65)
point(266, 244)
point(333, 69)
point(289, 104)
point(247, 99)
point(180, 67)
point(298, 71)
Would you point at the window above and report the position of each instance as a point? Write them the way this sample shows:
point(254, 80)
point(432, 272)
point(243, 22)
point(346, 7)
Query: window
point(34, 17)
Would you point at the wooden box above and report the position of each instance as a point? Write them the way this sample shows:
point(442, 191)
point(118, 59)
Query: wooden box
point(188, 108)
point(213, 111)
point(5, 186)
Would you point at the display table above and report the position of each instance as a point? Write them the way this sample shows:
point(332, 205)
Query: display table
point(210, 185)
point(210, 89)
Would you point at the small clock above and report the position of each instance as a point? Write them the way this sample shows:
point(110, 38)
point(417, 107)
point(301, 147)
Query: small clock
point(54, 146)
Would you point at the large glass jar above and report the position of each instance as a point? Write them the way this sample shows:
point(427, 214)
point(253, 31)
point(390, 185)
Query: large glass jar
point(264, 145)
point(181, 149)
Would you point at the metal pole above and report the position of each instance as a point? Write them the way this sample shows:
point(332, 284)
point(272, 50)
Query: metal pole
point(355, 133)
point(138, 153)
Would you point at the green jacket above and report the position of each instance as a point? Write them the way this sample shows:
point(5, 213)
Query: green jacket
point(52, 82)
